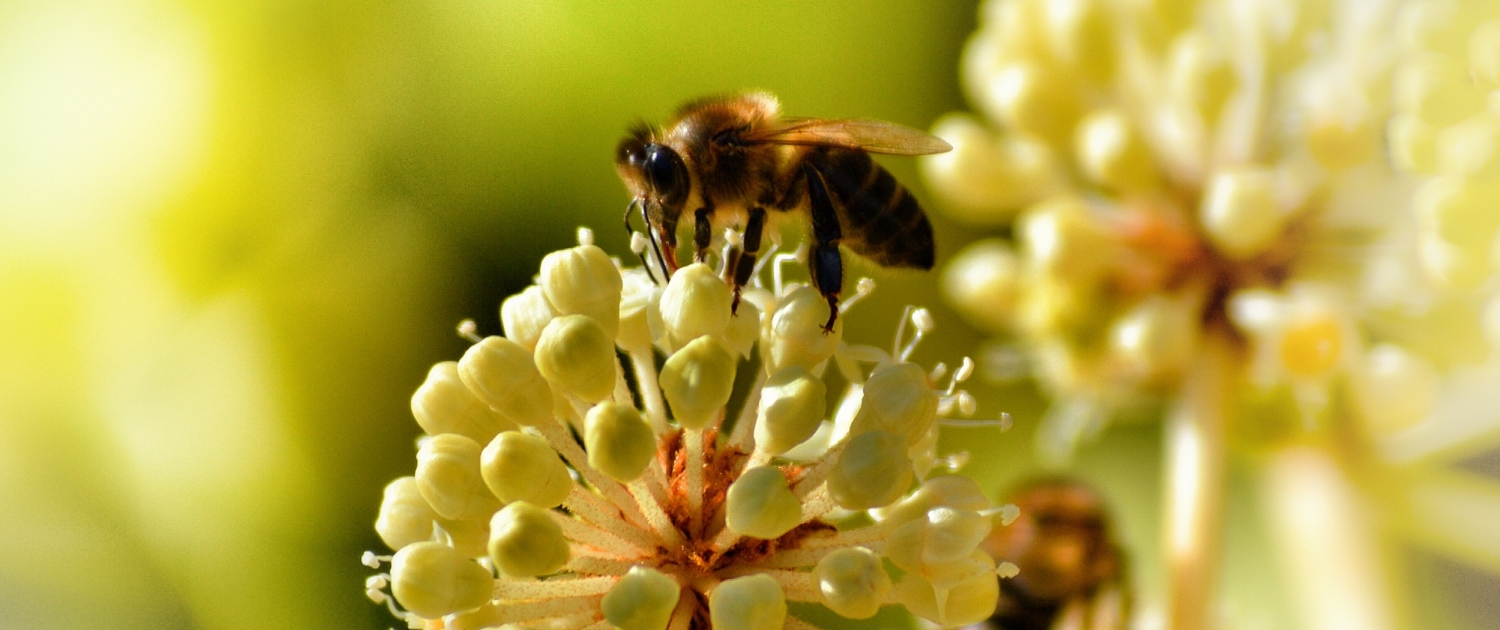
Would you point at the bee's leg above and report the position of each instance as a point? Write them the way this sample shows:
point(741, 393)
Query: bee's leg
point(825, 266)
point(746, 263)
point(703, 233)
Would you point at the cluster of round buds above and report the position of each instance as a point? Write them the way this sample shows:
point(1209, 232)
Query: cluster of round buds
point(1156, 160)
point(587, 470)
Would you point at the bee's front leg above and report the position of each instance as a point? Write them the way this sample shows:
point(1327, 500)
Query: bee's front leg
point(745, 265)
point(703, 233)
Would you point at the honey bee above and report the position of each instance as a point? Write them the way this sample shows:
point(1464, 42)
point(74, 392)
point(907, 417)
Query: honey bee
point(735, 161)
point(1072, 572)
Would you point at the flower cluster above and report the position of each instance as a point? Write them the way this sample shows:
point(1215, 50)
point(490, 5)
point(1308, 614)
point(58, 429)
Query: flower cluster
point(589, 470)
point(1172, 173)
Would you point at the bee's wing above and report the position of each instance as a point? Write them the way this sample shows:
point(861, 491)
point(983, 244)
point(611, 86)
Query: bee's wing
point(874, 136)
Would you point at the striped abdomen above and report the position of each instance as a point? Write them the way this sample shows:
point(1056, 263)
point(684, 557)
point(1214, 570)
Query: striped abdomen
point(880, 219)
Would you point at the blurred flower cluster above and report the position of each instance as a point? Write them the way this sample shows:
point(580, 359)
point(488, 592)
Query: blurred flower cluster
point(1276, 217)
point(596, 460)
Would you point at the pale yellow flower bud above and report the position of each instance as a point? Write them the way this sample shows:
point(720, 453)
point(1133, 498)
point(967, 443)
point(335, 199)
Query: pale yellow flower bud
point(584, 281)
point(760, 504)
point(938, 546)
point(643, 599)
point(1083, 36)
point(521, 467)
point(1199, 74)
point(405, 517)
point(897, 400)
point(501, 373)
point(1413, 143)
point(1112, 153)
point(1034, 100)
point(753, 602)
point(1063, 239)
point(1156, 337)
point(635, 311)
point(1431, 26)
point(444, 405)
point(1471, 149)
point(433, 580)
point(1484, 55)
point(695, 303)
point(619, 442)
point(697, 381)
point(1436, 90)
point(525, 314)
point(743, 330)
point(983, 283)
point(526, 542)
point(469, 537)
point(1457, 217)
point(873, 471)
point(448, 477)
point(953, 491)
point(577, 355)
point(852, 582)
point(1394, 389)
point(796, 331)
point(1240, 213)
point(1339, 141)
point(792, 405)
point(970, 600)
point(986, 178)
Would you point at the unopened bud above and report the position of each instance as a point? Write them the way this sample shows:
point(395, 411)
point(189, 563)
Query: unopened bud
point(852, 582)
point(938, 546)
point(443, 404)
point(521, 467)
point(795, 336)
point(1063, 239)
point(970, 600)
point(448, 477)
point(643, 599)
point(1082, 36)
point(753, 602)
point(982, 282)
point(501, 373)
point(525, 542)
point(578, 356)
point(1034, 100)
point(619, 442)
point(1155, 338)
point(697, 381)
point(433, 580)
point(872, 472)
point(743, 330)
point(1413, 143)
point(636, 310)
point(695, 303)
point(897, 400)
point(405, 517)
point(986, 178)
point(584, 281)
point(1112, 153)
point(1394, 389)
point(953, 491)
point(1199, 75)
point(792, 404)
point(1240, 213)
point(525, 314)
point(760, 504)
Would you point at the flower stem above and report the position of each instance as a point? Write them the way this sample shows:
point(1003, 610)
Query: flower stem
point(1195, 489)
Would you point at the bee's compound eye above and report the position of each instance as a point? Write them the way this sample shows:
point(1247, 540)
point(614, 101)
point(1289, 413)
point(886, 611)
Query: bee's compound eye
point(665, 171)
point(631, 153)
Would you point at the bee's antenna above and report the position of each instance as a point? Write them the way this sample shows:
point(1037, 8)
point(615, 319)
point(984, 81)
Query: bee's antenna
point(666, 274)
point(641, 253)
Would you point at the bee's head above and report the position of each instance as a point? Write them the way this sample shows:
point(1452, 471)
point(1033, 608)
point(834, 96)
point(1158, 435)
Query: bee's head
point(655, 174)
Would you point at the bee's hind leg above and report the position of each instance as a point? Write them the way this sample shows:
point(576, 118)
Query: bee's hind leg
point(825, 265)
point(744, 265)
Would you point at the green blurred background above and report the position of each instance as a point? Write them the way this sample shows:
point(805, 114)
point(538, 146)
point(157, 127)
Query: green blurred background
point(234, 235)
